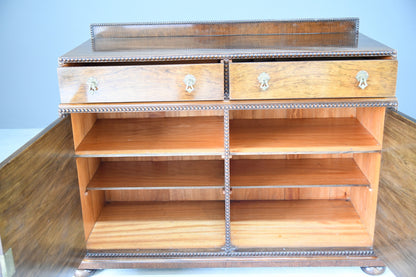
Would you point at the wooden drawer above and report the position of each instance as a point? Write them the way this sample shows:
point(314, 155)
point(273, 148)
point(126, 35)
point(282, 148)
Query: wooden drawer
point(141, 83)
point(313, 79)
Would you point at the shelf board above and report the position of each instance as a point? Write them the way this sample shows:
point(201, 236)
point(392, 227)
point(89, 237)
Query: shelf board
point(130, 175)
point(154, 136)
point(305, 135)
point(300, 223)
point(159, 225)
point(296, 173)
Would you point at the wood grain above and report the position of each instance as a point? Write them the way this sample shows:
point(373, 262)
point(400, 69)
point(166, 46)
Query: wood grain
point(91, 202)
point(293, 113)
point(86, 55)
point(228, 28)
point(313, 79)
point(161, 175)
point(229, 42)
point(395, 232)
point(294, 156)
point(40, 207)
point(296, 173)
point(373, 120)
point(303, 223)
point(81, 125)
point(299, 135)
point(159, 225)
point(225, 35)
point(364, 200)
point(290, 193)
point(181, 136)
point(197, 194)
point(141, 83)
point(155, 114)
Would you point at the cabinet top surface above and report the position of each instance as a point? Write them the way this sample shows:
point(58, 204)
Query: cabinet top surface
point(225, 40)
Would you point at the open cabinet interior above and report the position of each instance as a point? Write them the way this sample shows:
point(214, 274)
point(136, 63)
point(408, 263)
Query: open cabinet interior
point(296, 177)
point(304, 177)
point(152, 180)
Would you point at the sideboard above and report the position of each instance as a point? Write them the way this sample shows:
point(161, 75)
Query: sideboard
point(231, 144)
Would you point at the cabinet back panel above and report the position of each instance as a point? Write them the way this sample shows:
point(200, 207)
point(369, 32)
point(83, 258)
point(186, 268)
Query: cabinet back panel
point(290, 193)
point(161, 158)
point(165, 195)
point(159, 114)
point(293, 113)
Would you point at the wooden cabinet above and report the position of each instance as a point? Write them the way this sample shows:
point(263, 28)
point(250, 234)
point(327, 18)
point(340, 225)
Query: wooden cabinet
point(216, 155)
point(211, 147)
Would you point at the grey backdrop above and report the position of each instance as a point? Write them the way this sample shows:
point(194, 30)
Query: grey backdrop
point(35, 33)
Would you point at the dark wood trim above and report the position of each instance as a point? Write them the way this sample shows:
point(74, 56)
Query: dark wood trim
point(40, 207)
point(395, 235)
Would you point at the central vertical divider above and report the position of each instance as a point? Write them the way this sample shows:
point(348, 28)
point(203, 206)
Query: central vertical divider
point(227, 189)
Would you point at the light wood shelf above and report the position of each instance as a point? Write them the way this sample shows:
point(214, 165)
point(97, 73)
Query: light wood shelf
point(305, 135)
point(301, 223)
point(133, 175)
point(258, 173)
point(159, 225)
point(154, 136)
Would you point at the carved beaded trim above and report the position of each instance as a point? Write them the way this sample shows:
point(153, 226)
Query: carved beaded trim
point(111, 108)
point(227, 188)
point(64, 60)
point(307, 253)
point(227, 79)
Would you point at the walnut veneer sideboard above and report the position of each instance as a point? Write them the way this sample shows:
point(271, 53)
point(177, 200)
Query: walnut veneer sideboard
point(231, 144)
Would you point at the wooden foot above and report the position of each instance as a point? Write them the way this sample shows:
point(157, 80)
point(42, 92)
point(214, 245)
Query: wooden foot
point(84, 272)
point(374, 270)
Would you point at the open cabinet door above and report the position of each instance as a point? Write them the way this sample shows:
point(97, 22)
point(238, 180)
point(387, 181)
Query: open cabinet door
point(40, 207)
point(395, 238)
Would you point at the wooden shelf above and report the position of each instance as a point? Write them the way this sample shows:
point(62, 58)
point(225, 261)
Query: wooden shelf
point(296, 173)
point(154, 136)
point(160, 175)
point(159, 225)
point(306, 135)
point(301, 223)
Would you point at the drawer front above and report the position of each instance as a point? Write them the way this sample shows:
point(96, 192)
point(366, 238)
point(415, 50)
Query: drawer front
point(97, 84)
point(312, 79)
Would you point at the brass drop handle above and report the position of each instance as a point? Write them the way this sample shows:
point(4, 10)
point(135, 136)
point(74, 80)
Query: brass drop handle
point(92, 84)
point(362, 77)
point(189, 81)
point(264, 79)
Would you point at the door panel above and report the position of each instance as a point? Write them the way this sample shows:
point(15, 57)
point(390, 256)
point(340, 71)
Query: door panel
point(395, 238)
point(40, 207)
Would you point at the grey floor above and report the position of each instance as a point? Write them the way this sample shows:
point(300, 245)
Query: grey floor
point(13, 139)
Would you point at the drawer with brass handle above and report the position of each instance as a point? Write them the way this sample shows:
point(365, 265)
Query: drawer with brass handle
point(313, 79)
point(186, 82)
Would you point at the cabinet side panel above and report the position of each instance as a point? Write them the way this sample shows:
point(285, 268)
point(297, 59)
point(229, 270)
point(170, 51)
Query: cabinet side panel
point(39, 205)
point(81, 125)
point(92, 202)
point(395, 234)
point(365, 199)
point(373, 120)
